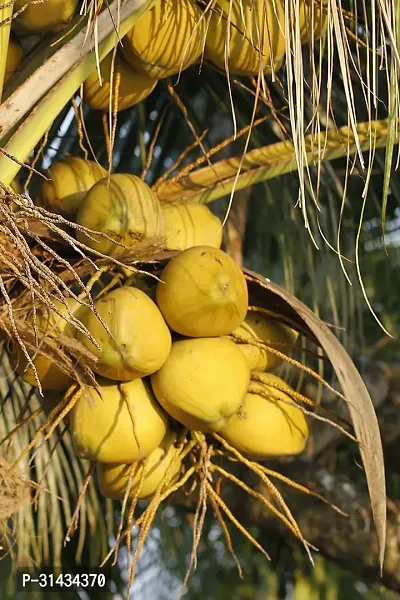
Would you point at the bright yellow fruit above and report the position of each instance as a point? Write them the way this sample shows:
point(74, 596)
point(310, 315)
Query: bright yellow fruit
point(202, 383)
point(140, 342)
point(261, 327)
point(255, 30)
point(71, 179)
point(168, 38)
point(51, 325)
point(14, 57)
point(50, 15)
point(126, 210)
point(202, 293)
point(267, 424)
point(132, 87)
point(105, 429)
point(113, 479)
point(312, 13)
point(189, 224)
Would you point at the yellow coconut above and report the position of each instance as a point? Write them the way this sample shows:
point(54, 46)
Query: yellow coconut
point(202, 293)
point(71, 178)
point(167, 39)
point(125, 424)
point(50, 325)
point(202, 383)
point(49, 15)
point(113, 479)
point(263, 328)
point(255, 31)
point(140, 342)
point(14, 57)
point(131, 87)
point(126, 210)
point(313, 19)
point(189, 224)
point(267, 424)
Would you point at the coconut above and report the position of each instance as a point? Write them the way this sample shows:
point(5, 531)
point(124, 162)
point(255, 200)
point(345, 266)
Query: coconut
point(51, 325)
point(313, 20)
point(14, 57)
point(254, 31)
point(132, 87)
point(189, 224)
point(51, 15)
point(202, 293)
point(202, 383)
point(114, 479)
point(122, 425)
point(260, 327)
point(140, 342)
point(125, 209)
point(267, 424)
point(71, 179)
point(168, 38)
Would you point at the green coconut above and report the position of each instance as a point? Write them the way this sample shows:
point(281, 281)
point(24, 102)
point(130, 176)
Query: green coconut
point(202, 293)
point(140, 342)
point(122, 425)
point(267, 423)
point(114, 479)
point(202, 382)
point(125, 209)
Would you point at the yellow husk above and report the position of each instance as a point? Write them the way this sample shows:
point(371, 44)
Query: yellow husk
point(202, 383)
point(267, 426)
point(189, 224)
point(50, 15)
point(126, 210)
point(167, 39)
point(202, 293)
point(52, 325)
point(263, 328)
point(14, 56)
point(132, 87)
point(312, 13)
point(113, 479)
point(124, 425)
point(256, 36)
point(71, 179)
point(141, 340)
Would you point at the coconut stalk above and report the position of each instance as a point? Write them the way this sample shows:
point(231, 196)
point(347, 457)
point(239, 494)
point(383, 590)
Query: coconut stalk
point(210, 183)
point(57, 84)
point(6, 10)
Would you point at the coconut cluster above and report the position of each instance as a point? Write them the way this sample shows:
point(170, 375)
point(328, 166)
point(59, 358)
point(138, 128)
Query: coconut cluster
point(184, 354)
point(240, 37)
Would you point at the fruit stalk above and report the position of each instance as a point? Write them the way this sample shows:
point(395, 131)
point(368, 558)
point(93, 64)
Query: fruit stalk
point(6, 10)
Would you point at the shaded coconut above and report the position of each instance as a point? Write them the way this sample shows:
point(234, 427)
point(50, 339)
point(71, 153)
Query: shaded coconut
point(71, 178)
point(168, 38)
point(114, 479)
point(202, 383)
point(50, 15)
point(125, 209)
point(267, 424)
point(122, 425)
point(14, 57)
point(260, 327)
point(132, 87)
point(189, 224)
point(313, 20)
point(51, 325)
point(202, 293)
point(254, 32)
point(140, 342)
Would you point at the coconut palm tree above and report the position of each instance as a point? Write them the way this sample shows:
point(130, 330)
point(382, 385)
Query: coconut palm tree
point(299, 163)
